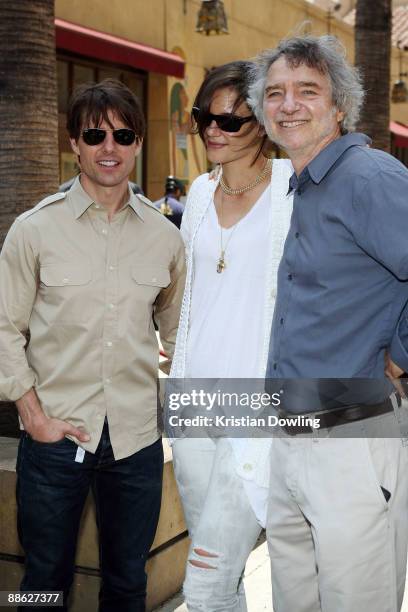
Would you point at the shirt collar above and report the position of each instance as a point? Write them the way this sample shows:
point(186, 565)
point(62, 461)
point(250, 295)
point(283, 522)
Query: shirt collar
point(293, 183)
point(135, 203)
point(81, 201)
point(323, 162)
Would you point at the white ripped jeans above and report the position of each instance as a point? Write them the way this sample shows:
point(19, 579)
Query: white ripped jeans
point(220, 521)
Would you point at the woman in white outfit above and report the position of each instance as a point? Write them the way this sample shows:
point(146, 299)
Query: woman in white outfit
point(234, 226)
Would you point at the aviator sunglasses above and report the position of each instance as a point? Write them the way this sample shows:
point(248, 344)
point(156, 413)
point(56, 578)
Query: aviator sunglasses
point(226, 123)
point(94, 136)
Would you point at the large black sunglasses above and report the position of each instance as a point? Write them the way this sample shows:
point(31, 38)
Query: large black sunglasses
point(94, 136)
point(226, 123)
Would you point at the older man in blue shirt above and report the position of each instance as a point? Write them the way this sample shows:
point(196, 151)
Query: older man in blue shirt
point(337, 524)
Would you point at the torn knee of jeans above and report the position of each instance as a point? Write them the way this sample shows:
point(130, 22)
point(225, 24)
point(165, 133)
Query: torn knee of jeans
point(204, 553)
point(201, 564)
point(200, 552)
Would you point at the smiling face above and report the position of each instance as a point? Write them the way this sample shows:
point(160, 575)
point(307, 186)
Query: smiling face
point(108, 164)
point(223, 147)
point(298, 111)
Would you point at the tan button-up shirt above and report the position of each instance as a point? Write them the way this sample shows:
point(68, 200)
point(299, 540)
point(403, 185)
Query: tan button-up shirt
point(87, 290)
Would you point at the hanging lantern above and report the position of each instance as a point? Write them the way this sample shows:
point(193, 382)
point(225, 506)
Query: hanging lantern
point(399, 92)
point(212, 18)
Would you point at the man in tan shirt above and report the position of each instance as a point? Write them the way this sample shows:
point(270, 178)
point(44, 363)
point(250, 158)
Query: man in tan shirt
point(85, 272)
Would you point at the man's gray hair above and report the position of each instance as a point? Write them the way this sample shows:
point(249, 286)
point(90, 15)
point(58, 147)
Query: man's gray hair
point(328, 56)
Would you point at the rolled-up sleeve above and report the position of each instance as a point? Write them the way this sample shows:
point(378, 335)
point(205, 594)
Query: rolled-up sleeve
point(18, 288)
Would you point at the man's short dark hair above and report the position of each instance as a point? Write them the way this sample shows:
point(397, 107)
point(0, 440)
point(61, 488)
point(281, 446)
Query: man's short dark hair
point(90, 103)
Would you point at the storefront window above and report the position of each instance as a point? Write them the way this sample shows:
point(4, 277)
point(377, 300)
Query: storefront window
point(63, 87)
point(400, 153)
point(82, 74)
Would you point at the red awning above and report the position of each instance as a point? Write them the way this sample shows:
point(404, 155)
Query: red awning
point(107, 47)
point(400, 132)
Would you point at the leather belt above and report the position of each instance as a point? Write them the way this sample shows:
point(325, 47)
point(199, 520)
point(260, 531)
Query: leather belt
point(348, 414)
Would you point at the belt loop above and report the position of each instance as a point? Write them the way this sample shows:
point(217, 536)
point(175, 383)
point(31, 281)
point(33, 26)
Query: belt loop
point(400, 406)
point(316, 434)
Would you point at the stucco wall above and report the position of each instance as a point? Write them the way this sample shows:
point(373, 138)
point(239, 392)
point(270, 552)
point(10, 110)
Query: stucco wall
point(253, 25)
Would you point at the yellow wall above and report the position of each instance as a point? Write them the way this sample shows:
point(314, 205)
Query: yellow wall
point(253, 25)
point(138, 20)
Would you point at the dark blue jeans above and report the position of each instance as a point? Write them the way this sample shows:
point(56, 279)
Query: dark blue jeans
point(51, 491)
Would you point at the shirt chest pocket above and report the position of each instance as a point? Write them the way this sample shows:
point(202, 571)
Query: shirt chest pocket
point(148, 281)
point(66, 294)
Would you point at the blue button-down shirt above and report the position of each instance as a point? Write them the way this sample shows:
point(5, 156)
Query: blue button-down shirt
point(343, 278)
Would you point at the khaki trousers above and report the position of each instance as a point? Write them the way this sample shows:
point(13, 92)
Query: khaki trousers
point(336, 544)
